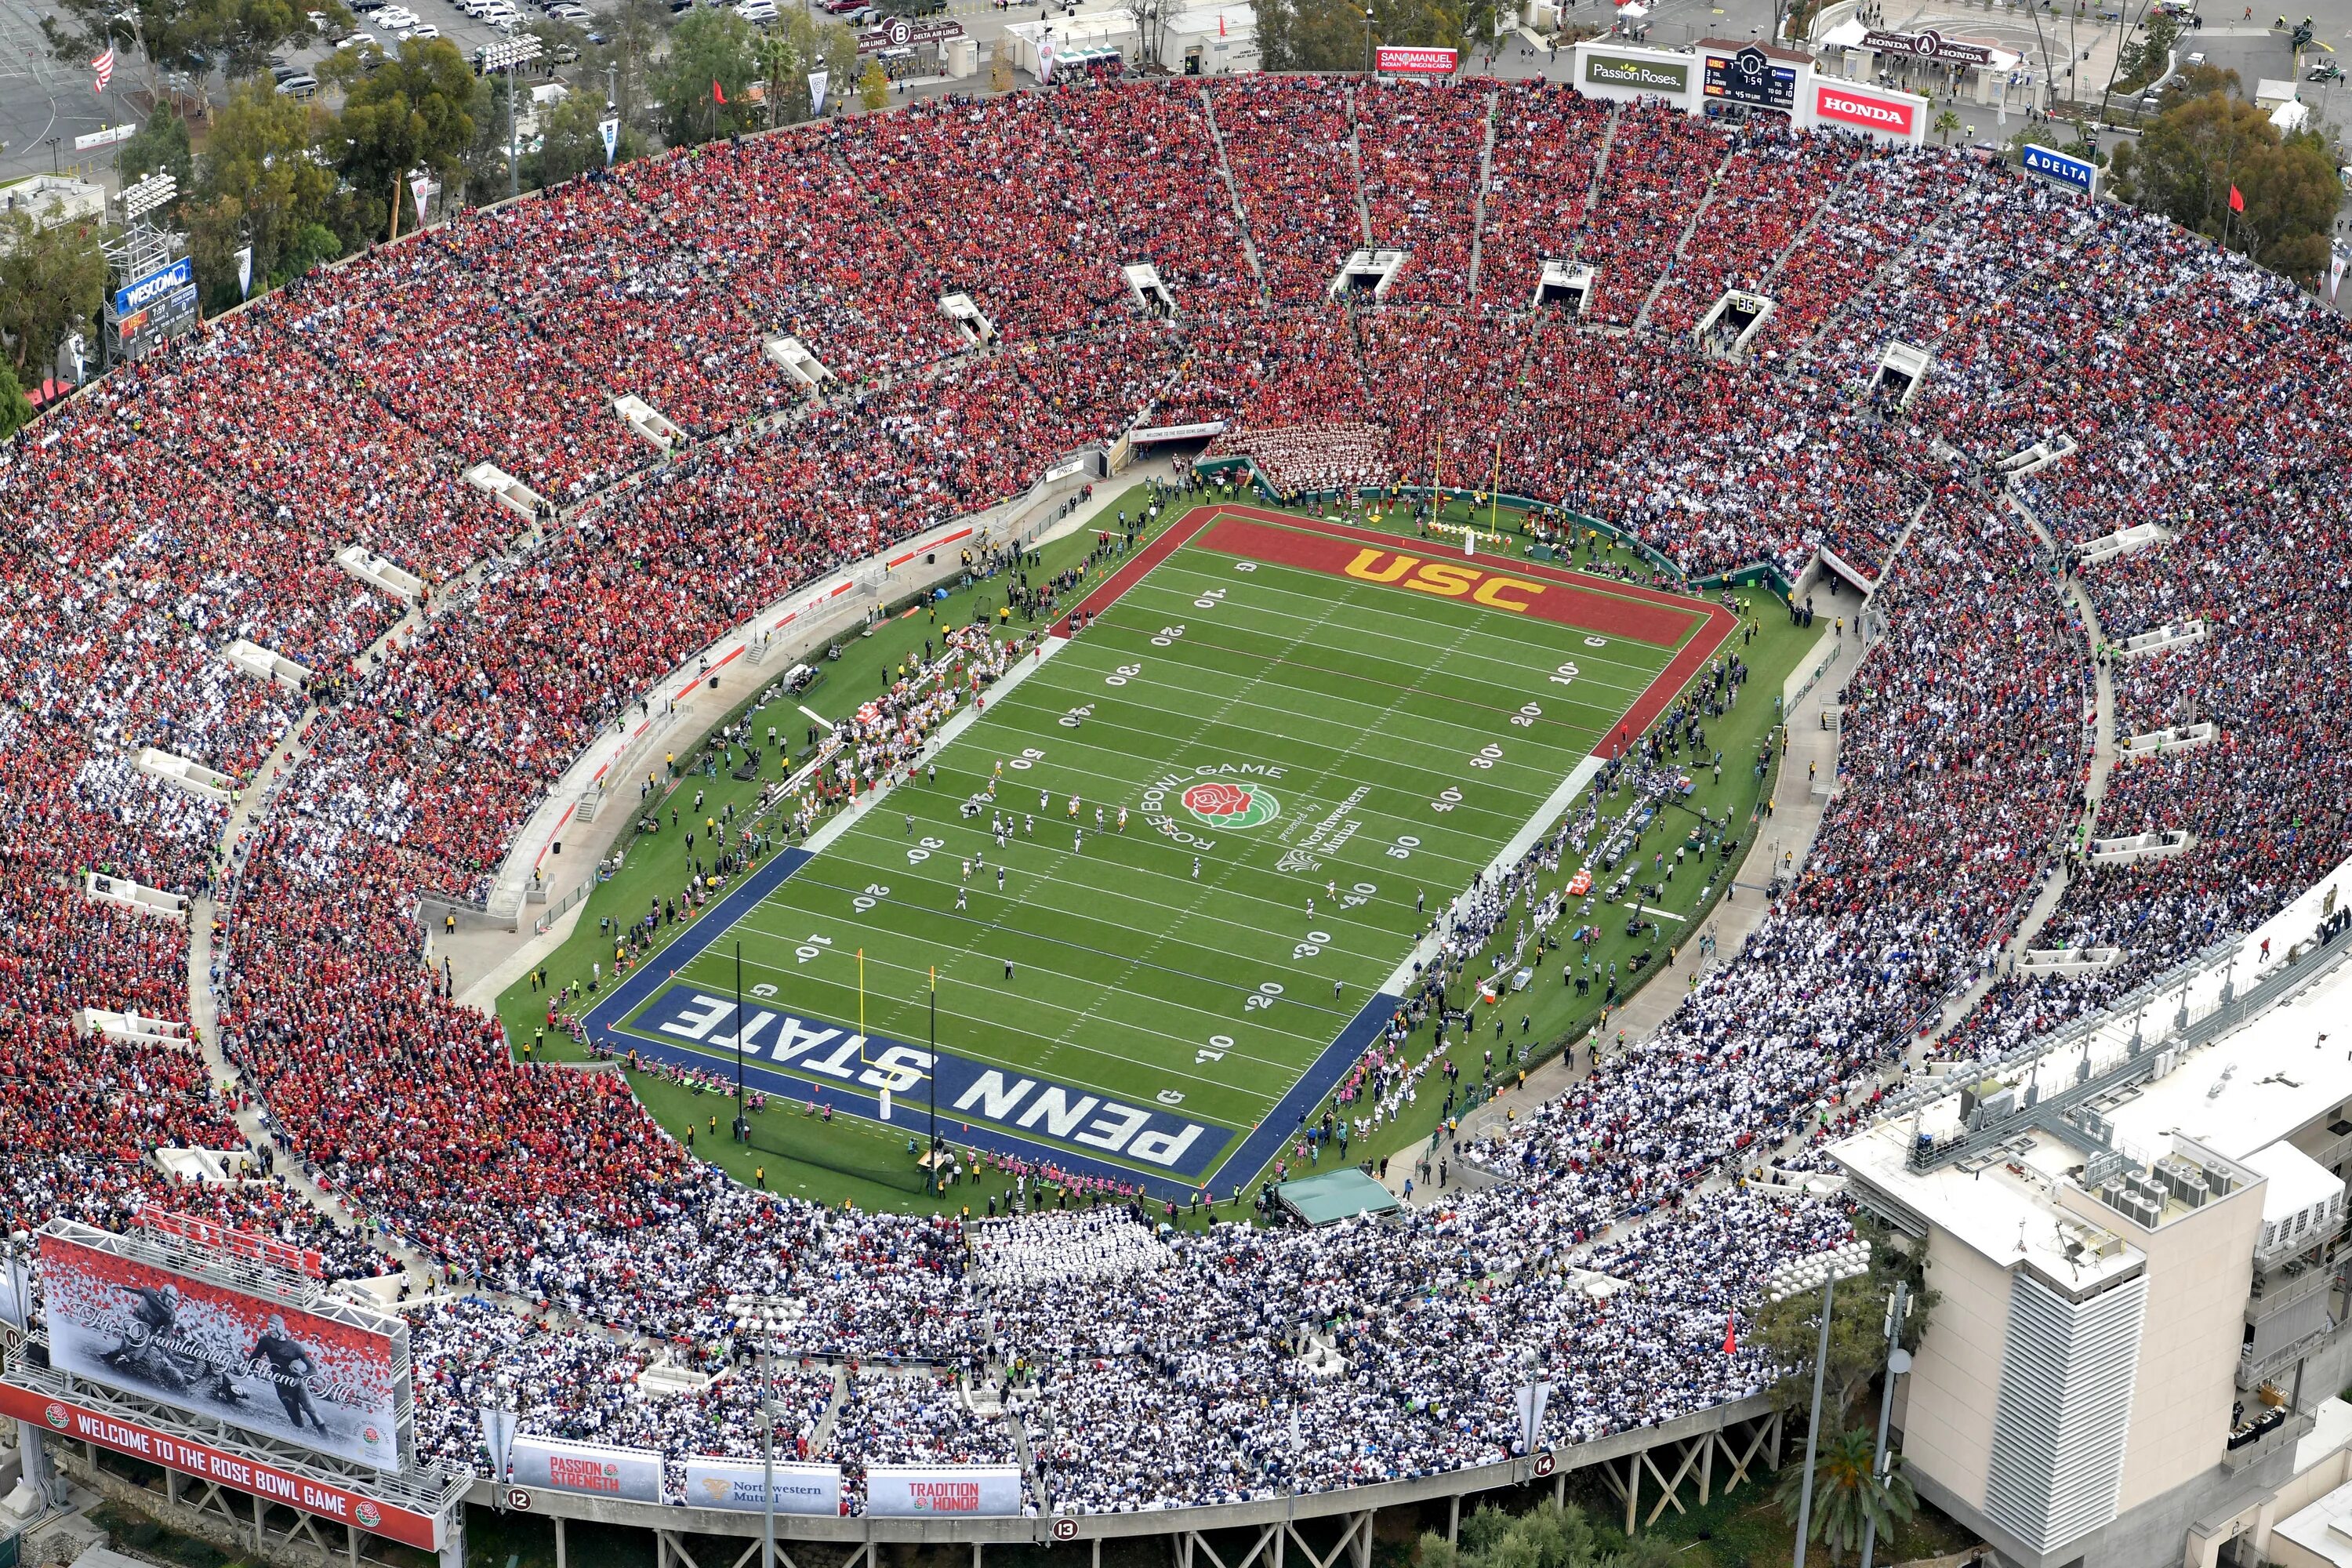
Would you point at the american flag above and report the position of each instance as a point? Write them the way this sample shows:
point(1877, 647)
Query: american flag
point(104, 67)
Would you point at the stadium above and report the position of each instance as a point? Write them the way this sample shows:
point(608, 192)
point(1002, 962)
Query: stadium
point(1208, 813)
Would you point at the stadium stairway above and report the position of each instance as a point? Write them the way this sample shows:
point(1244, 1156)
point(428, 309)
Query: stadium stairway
point(203, 999)
point(1233, 188)
point(2103, 760)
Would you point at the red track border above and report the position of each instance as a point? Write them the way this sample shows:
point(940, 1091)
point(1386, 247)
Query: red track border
point(1719, 623)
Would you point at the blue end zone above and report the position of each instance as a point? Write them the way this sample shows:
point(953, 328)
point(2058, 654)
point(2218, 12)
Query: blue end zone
point(1074, 1119)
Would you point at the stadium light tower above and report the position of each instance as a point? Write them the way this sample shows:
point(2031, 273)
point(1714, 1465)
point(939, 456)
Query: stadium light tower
point(1850, 1261)
point(507, 57)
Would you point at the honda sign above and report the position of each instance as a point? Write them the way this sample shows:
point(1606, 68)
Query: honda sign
point(1893, 115)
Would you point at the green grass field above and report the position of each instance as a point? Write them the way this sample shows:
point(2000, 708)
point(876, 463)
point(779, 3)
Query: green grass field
point(866, 1162)
point(1306, 762)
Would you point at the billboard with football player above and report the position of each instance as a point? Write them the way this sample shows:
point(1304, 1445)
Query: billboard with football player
point(155, 1332)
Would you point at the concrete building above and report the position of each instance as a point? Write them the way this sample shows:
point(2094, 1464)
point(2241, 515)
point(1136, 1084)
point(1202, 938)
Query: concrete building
point(2136, 1249)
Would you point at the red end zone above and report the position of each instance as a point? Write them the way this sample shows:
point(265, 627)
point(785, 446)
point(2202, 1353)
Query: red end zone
point(1596, 604)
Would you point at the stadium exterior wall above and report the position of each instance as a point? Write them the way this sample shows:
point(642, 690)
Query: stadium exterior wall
point(1016, 1530)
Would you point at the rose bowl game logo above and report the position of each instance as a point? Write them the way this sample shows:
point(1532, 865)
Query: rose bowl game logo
point(55, 1414)
point(368, 1514)
point(1232, 804)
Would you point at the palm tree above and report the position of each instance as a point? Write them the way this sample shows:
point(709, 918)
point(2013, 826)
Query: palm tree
point(1846, 1496)
point(1946, 123)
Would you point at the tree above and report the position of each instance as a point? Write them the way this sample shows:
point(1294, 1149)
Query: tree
point(1846, 1496)
point(571, 144)
point(2191, 155)
point(2148, 56)
point(15, 408)
point(1548, 1536)
point(52, 282)
point(874, 87)
point(1333, 35)
point(637, 29)
point(260, 184)
point(160, 147)
point(418, 111)
point(1946, 123)
point(707, 47)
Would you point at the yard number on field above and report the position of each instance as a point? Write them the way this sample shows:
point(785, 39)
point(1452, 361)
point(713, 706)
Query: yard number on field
point(1123, 674)
point(1208, 601)
point(811, 947)
point(1166, 634)
point(1263, 997)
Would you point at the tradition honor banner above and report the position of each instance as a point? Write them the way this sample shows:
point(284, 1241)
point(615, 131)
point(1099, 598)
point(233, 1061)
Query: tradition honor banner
point(928, 1491)
point(633, 1475)
point(740, 1485)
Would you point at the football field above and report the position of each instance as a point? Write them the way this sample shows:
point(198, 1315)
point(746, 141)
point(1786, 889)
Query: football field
point(1315, 735)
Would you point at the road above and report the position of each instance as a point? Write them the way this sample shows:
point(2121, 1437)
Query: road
point(41, 98)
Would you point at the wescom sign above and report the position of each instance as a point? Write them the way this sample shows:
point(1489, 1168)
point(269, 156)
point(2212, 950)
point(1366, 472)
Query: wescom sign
point(1843, 105)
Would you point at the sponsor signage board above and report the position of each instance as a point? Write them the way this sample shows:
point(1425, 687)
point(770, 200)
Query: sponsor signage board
point(1176, 432)
point(821, 1054)
point(1752, 77)
point(155, 286)
point(225, 1354)
point(2076, 173)
point(235, 1471)
point(1626, 72)
point(923, 1491)
point(631, 1475)
point(901, 33)
point(106, 138)
point(1413, 61)
point(739, 1486)
point(1841, 103)
point(1929, 44)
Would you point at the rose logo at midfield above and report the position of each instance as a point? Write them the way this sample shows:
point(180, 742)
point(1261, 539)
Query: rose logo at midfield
point(1232, 804)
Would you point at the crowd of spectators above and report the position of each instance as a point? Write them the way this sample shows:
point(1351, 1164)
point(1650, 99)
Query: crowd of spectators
point(198, 499)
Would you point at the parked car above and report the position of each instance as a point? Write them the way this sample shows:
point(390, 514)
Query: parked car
point(756, 11)
point(299, 87)
point(564, 54)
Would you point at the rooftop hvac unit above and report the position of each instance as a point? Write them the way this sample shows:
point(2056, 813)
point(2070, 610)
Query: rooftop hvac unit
point(2147, 1211)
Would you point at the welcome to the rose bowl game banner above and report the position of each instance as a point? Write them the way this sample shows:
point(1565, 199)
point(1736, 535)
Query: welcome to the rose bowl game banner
point(739, 1486)
point(929, 1491)
point(199, 1347)
point(631, 1475)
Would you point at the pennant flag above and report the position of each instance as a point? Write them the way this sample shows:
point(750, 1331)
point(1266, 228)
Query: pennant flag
point(2335, 273)
point(245, 272)
point(817, 83)
point(610, 129)
point(1221, 23)
point(420, 186)
point(718, 93)
point(1731, 1333)
point(104, 67)
point(2237, 201)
